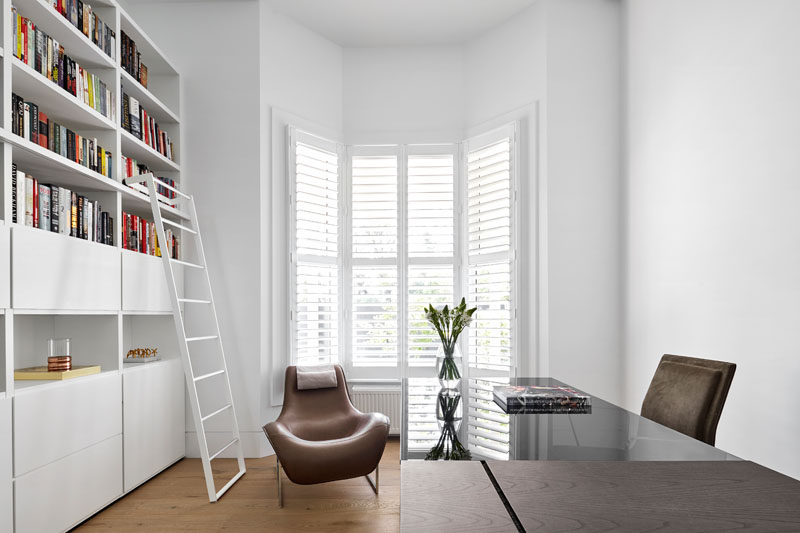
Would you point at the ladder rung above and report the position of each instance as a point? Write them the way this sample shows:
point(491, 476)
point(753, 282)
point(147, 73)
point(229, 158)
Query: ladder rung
point(229, 484)
point(209, 375)
point(184, 263)
point(206, 338)
point(179, 226)
point(231, 443)
point(193, 301)
point(218, 411)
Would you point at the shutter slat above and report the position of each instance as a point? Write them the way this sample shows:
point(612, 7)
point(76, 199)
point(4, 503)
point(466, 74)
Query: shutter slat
point(431, 203)
point(427, 284)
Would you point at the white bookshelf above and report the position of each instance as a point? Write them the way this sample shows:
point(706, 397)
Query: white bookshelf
point(73, 447)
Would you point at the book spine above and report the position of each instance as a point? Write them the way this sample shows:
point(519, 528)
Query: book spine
point(64, 210)
point(73, 219)
point(44, 207)
point(55, 200)
point(29, 199)
point(14, 195)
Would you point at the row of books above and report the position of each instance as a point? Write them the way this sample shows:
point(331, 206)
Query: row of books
point(132, 60)
point(131, 167)
point(139, 235)
point(29, 122)
point(58, 209)
point(80, 15)
point(138, 123)
point(46, 56)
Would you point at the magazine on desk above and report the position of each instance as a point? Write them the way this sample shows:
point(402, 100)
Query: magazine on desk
point(535, 399)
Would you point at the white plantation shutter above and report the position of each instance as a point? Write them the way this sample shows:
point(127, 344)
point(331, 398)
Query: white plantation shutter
point(314, 190)
point(490, 254)
point(431, 245)
point(375, 303)
point(430, 206)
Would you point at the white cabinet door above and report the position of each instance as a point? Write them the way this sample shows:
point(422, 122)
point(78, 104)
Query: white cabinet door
point(154, 424)
point(6, 486)
point(51, 271)
point(5, 266)
point(144, 284)
point(54, 421)
point(59, 495)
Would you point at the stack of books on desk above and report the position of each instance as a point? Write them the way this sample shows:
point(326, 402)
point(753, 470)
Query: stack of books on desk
point(541, 400)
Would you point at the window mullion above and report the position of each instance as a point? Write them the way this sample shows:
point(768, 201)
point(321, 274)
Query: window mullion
point(402, 260)
point(345, 260)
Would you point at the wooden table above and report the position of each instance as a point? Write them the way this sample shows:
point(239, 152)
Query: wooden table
point(587, 496)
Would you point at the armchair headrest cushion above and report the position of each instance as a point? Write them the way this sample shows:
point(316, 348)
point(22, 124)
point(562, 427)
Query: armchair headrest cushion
point(316, 377)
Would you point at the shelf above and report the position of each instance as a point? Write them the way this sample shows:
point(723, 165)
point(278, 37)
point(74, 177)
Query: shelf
point(137, 149)
point(70, 312)
point(58, 104)
point(133, 367)
point(75, 43)
point(137, 203)
point(152, 56)
point(51, 166)
point(29, 386)
point(148, 101)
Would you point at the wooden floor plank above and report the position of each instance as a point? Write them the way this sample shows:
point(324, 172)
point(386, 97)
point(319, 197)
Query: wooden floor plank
point(176, 500)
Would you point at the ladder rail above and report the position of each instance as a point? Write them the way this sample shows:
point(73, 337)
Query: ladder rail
point(180, 328)
point(202, 255)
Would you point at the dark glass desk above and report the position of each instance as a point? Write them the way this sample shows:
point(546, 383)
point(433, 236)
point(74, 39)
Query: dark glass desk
point(608, 433)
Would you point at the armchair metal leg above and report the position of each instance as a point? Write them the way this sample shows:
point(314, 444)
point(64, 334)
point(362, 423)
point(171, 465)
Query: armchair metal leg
point(374, 484)
point(280, 486)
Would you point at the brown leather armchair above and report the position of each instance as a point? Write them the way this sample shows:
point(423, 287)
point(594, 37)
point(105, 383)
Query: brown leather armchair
point(320, 436)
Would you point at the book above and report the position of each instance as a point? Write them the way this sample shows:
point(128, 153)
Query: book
point(535, 399)
point(29, 199)
point(14, 195)
point(44, 207)
point(54, 207)
point(138, 122)
point(64, 210)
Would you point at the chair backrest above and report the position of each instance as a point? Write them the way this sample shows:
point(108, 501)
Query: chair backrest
point(687, 394)
point(318, 414)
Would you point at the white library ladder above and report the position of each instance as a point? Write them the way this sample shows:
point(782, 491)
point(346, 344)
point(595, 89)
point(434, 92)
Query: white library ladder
point(217, 379)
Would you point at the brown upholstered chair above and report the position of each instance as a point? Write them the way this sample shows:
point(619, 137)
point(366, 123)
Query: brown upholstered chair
point(687, 394)
point(320, 436)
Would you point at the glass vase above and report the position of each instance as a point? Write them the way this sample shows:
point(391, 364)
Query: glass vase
point(449, 408)
point(448, 367)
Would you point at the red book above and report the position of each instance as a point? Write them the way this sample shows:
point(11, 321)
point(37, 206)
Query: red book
point(43, 127)
point(24, 52)
point(35, 203)
point(124, 231)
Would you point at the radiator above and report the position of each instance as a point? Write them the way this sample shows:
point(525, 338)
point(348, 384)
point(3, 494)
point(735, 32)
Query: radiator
point(374, 399)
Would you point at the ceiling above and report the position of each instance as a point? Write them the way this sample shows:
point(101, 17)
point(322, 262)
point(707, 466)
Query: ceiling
point(399, 22)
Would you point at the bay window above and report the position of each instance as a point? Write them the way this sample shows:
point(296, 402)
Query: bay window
point(380, 232)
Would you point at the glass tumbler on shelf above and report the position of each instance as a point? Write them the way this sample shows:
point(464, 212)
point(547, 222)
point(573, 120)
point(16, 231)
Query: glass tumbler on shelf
point(59, 358)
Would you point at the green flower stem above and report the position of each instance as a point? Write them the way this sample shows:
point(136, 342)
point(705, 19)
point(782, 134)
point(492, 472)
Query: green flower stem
point(449, 369)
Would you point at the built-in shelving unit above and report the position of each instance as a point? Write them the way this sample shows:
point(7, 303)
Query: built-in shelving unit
point(71, 447)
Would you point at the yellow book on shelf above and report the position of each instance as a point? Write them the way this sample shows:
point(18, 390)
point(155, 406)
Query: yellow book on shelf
point(41, 373)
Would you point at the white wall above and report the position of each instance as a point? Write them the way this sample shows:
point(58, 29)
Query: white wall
point(713, 222)
point(405, 94)
point(564, 57)
point(504, 81)
point(232, 81)
point(583, 191)
point(219, 144)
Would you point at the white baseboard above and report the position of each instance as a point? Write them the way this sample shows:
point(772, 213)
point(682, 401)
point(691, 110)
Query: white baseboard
point(254, 444)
